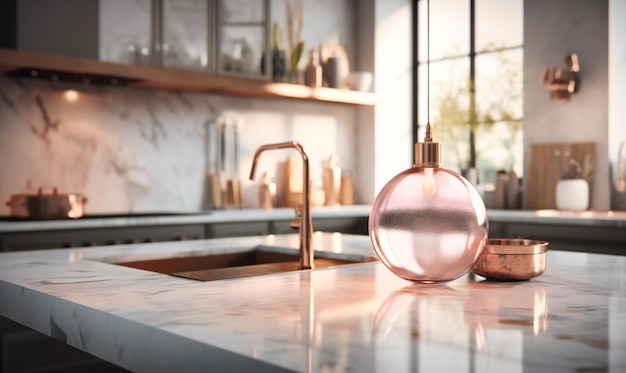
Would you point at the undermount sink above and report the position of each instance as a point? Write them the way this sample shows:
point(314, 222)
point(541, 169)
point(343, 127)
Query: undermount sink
point(260, 260)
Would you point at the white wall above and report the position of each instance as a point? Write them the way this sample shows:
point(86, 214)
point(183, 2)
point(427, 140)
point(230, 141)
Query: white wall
point(385, 137)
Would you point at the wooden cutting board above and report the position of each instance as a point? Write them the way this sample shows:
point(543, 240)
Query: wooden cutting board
point(293, 182)
point(544, 171)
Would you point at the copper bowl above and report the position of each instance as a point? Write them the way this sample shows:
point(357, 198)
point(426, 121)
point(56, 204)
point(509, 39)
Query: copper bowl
point(511, 259)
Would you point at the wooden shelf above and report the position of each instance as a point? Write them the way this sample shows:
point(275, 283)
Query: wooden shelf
point(63, 67)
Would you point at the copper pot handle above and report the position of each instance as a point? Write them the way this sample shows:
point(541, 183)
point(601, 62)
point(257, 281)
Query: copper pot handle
point(54, 191)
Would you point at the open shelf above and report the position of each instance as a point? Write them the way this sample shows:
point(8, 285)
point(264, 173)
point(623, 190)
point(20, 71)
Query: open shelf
point(86, 70)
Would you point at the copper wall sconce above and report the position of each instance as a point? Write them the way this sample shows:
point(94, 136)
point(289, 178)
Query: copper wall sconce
point(562, 83)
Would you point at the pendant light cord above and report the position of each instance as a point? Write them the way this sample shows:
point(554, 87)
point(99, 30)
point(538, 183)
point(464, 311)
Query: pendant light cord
point(428, 136)
point(428, 62)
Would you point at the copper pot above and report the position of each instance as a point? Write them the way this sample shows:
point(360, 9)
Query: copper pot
point(47, 206)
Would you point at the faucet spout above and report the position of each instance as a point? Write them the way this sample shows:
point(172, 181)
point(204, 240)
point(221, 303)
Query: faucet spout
point(306, 223)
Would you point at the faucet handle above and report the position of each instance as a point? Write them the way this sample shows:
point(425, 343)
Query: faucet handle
point(295, 222)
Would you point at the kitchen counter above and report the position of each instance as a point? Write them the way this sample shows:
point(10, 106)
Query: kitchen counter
point(359, 317)
point(180, 218)
point(581, 218)
point(585, 218)
point(588, 231)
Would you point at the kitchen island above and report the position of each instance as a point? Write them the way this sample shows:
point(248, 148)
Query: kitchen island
point(587, 231)
point(358, 317)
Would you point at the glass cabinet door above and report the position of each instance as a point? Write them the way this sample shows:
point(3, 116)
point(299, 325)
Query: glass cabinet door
point(229, 37)
point(125, 31)
point(186, 29)
point(243, 37)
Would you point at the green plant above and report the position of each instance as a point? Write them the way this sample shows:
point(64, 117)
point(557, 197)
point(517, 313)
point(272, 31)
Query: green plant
point(277, 36)
point(294, 11)
point(459, 119)
point(294, 59)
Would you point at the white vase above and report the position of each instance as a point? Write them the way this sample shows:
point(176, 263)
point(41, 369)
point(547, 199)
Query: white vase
point(572, 194)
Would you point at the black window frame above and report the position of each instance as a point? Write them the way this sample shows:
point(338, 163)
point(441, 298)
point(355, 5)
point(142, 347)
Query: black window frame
point(472, 69)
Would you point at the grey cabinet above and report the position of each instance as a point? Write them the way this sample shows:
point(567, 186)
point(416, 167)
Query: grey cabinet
point(496, 230)
point(594, 239)
point(215, 36)
point(36, 240)
point(349, 225)
point(112, 30)
point(237, 229)
point(65, 238)
point(68, 27)
point(343, 225)
point(25, 350)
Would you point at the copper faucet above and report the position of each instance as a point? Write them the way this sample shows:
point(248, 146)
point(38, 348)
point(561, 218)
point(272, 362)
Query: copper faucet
point(305, 225)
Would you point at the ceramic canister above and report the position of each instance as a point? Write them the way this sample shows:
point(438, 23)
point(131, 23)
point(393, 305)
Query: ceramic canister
point(333, 72)
point(572, 194)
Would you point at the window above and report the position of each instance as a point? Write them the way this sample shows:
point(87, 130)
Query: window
point(475, 60)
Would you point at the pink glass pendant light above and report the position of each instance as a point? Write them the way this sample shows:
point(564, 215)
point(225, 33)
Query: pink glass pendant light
point(428, 223)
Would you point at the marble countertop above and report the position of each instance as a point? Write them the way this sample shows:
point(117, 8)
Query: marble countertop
point(593, 218)
point(549, 216)
point(359, 318)
point(176, 218)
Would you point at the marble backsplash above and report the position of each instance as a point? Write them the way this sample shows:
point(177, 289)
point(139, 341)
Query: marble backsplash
point(137, 150)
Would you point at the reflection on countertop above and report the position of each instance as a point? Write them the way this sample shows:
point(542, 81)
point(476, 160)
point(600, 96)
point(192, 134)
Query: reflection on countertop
point(588, 214)
point(552, 216)
point(352, 318)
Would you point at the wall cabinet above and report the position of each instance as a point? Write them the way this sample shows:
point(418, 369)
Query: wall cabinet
point(214, 36)
point(98, 237)
point(127, 49)
point(243, 33)
point(185, 34)
point(181, 34)
point(125, 32)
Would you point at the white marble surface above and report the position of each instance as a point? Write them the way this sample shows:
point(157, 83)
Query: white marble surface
point(359, 318)
point(131, 150)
